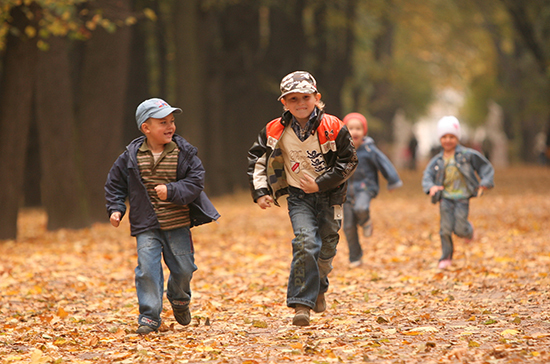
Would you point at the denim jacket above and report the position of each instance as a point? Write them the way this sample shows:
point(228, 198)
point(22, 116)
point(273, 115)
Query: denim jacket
point(372, 161)
point(469, 162)
point(124, 181)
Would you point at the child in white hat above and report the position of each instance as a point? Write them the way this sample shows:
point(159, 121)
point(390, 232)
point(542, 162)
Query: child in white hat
point(450, 178)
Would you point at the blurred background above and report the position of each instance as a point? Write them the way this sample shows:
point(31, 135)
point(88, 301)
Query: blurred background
point(73, 71)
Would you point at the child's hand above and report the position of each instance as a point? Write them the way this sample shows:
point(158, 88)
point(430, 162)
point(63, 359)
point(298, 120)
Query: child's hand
point(481, 190)
point(435, 189)
point(264, 201)
point(162, 192)
point(115, 218)
point(308, 184)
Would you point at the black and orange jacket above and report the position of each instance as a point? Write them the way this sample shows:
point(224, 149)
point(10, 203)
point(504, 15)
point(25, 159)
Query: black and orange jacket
point(266, 172)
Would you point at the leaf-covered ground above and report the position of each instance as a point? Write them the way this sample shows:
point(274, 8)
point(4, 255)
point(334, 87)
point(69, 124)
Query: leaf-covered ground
point(69, 297)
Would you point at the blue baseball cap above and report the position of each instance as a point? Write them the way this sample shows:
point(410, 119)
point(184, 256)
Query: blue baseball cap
point(154, 108)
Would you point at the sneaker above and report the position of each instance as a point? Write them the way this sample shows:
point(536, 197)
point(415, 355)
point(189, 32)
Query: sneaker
point(367, 228)
point(301, 318)
point(144, 330)
point(469, 240)
point(355, 264)
point(182, 314)
point(320, 303)
point(444, 264)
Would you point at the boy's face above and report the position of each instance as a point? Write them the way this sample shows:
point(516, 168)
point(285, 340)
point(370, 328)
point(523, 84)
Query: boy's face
point(159, 131)
point(449, 142)
point(356, 131)
point(301, 105)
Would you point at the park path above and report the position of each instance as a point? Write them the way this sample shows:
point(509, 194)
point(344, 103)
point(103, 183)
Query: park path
point(68, 296)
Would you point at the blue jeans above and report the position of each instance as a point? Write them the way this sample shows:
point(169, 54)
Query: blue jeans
point(454, 219)
point(313, 247)
point(177, 248)
point(356, 213)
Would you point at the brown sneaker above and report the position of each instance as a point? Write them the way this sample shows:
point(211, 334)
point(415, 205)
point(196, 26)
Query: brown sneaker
point(144, 330)
point(301, 318)
point(320, 303)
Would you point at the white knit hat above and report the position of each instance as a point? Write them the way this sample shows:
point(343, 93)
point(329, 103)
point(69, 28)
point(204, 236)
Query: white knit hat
point(448, 125)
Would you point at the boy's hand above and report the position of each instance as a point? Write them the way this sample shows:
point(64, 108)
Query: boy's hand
point(264, 201)
point(115, 218)
point(308, 184)
point(162, 192)
point(435, 189)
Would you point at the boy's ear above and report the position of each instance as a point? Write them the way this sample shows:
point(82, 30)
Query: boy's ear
point(145, 128)
point(283, 101)
point(318, 96)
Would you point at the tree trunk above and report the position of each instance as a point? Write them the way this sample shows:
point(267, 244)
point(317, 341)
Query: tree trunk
point(190, 77)
point(55, 121)
point(15, 116)
point(138, 85)
point(101, 107)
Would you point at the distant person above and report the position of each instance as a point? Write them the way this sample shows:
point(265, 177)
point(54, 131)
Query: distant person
point(363, 185)
point(487, 148)
point(450, 179)
point(163, 179)
point(308, 155)
point(413, 146)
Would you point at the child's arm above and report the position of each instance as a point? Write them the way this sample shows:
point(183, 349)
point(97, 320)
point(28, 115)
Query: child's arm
point(484, 169)
point(116, 189)
point(257, 169)
point(187, 189)
point(385, 166)
point(343, 168)
point(429, 177)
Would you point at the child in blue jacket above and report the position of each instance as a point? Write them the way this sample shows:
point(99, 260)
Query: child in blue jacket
point(363, 185)
point(450, 179)
point(163, 179)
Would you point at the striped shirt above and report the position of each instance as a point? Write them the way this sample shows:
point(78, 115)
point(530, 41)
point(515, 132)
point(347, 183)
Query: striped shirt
point(164, 170)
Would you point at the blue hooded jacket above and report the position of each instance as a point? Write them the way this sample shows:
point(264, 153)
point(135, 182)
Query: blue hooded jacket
point(124, 181)
point(371, 161)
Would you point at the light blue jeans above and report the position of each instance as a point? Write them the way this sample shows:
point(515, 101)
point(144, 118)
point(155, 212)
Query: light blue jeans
point(356, 213)
point(313, 247)
point(177, 248)
point(454, 219)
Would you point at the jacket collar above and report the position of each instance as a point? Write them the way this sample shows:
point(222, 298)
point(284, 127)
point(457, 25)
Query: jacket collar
point(286, 118)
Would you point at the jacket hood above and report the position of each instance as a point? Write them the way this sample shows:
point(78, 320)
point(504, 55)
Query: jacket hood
point(368, 140)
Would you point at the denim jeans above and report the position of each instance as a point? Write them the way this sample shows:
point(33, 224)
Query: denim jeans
point(177, 248)
point(356, 213)
point(454, 219)
point(313, 247)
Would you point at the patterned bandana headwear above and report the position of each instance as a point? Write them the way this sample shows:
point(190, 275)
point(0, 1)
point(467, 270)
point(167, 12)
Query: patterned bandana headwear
point(298, 81)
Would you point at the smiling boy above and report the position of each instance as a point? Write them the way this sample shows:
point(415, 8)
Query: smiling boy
point(163, 178)
point(450, 179)
point(308, 155)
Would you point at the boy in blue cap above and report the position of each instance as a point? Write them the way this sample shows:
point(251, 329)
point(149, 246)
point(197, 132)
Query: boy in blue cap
point(163, 179)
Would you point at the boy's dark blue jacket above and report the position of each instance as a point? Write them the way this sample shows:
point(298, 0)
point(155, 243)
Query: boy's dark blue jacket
point(372, 161)
point(124, 180)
